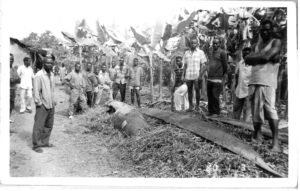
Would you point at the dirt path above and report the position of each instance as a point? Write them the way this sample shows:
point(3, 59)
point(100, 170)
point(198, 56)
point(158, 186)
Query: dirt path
point(76, 153)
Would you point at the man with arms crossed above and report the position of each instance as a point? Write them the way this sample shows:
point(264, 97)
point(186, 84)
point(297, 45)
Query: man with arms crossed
point(263, 82)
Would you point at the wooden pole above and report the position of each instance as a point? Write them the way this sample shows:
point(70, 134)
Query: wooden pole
point(80, 56)
point(151, 77)
point(160, 78)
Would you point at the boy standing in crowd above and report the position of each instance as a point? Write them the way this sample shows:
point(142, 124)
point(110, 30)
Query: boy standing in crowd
point(179, 88)
point(241, 101)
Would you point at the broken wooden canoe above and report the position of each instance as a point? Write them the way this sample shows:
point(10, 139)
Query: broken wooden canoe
point(125, 118)
point(212, 133)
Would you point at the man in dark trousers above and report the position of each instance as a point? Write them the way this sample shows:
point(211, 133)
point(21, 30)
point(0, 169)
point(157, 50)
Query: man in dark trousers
point(264, 59)
point(120, 76)
point(44, 99)
point(90, 83)
point(14, 80)
point(217, 68)
point(136, 75)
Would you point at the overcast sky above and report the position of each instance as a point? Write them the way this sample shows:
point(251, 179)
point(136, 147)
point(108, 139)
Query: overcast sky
point(27, 16)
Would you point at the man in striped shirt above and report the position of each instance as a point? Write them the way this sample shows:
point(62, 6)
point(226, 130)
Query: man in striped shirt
point(194, 60)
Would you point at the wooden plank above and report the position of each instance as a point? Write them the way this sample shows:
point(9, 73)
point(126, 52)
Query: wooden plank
point(282, 132)
point(210, 132)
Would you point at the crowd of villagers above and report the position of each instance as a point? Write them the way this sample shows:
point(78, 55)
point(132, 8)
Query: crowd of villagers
point(249, 62)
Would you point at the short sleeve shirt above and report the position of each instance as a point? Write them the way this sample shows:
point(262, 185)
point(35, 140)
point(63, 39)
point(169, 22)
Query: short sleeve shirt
point(194, 62)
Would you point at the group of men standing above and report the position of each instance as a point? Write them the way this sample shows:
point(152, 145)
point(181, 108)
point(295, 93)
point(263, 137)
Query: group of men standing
point(257, 83)
point(85, 90)
point(257, 72)
point(87, 86)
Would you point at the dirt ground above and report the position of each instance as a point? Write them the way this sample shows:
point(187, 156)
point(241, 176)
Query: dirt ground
point(76, 153)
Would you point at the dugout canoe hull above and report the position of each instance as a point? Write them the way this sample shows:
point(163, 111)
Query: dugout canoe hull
point(282, 132)
point(211, 133)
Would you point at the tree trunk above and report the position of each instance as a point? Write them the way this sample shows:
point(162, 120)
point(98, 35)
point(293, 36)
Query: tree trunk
point(151, 78)
point(80, 56)
point(160, 78)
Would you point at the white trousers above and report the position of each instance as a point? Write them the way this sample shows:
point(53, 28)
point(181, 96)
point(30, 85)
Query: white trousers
point(181, 98)
point(26, 97)
point(99, 92)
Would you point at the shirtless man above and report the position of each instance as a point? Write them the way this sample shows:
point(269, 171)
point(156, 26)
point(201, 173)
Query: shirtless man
point(263, 82)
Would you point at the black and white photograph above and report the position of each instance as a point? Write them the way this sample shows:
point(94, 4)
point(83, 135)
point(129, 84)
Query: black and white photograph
point(149, 94)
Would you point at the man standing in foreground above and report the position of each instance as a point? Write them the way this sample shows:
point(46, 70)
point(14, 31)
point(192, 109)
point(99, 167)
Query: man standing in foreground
point(217, 68)
point(44, 100)
point(136, 75)
point(263, 82)
point(14, 80)
point(193, 60)
point(26, 74)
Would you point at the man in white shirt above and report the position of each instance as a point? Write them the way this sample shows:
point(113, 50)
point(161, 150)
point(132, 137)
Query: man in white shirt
point(241, 102)
point(105, 84)
point(26, 74)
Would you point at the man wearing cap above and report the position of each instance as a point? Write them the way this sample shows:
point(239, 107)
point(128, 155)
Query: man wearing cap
point(45, 104)
point(26, 74)
point(14, 80)
point(77, 85)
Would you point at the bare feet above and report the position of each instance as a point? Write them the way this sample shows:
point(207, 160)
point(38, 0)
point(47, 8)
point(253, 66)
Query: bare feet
point(275, 148)
point(257, 137)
